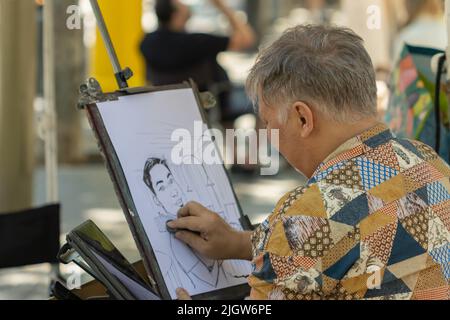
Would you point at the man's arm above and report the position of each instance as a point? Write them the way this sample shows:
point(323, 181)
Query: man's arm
point(243, 36)
point(207, 233)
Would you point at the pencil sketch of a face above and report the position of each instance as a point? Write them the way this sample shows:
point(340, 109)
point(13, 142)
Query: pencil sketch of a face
point(166, 192)
point(168, 195)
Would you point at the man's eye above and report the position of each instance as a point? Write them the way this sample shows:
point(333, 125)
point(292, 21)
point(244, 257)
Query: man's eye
point(170, 181)
point(162, 188)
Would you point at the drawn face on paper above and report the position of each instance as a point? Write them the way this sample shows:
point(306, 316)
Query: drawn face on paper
point(167, 193)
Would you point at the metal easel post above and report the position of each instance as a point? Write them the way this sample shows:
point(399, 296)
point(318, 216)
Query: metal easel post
point(447, 51)
point(447, 22)
point(122, 75)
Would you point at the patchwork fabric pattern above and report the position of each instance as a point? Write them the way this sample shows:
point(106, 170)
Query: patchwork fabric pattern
point(437, 193)
point(285, 267)
point(442, 256)
point(441, 165)
point(410, 205)
point(390, 209)
point(442, 210)
point(376, 204)
point(427, 153)
point(421, 175)
point(380, 243)
point(347, 175)
point(316, 240)
point(438, 233)
point(347, 155)
point(336, 197)
point(299, 229)
point(430, 278)
point(322, 175)
point(384, 155)
point(373, 173)
point(406, 158)
point(417, 226)
point(295, 295)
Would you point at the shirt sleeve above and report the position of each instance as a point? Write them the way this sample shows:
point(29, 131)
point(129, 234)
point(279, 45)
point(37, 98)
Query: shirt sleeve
point(280, 271)
point(300, 254)
point(280, 274)
point(206, 45)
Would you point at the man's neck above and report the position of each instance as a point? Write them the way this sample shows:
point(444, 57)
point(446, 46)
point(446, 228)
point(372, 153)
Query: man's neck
point(330, 138)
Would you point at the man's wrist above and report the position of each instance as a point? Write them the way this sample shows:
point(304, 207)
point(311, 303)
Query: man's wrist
point(242, 247)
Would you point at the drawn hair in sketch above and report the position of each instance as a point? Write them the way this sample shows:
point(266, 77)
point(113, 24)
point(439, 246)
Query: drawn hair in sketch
point(151, 162)
point(160, 180)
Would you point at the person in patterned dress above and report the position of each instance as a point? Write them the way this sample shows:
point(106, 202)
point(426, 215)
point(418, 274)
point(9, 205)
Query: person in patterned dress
point(373, 220)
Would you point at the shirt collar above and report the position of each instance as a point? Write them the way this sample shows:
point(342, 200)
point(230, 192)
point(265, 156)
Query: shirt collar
point(356, 146)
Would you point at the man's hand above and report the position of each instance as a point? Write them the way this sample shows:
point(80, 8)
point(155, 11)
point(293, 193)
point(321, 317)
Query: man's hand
point(182, 294)
point(243, 36)
point(207, 233)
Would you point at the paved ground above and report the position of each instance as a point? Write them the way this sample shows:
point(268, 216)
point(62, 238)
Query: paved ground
point(87, 193)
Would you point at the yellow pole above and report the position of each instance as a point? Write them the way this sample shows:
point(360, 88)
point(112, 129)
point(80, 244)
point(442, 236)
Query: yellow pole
point(123, 20)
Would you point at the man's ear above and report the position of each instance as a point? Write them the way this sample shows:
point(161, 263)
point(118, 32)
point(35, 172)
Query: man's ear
point(305, 118)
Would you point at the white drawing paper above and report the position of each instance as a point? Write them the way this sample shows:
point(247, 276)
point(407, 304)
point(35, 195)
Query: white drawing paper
point(140, 128)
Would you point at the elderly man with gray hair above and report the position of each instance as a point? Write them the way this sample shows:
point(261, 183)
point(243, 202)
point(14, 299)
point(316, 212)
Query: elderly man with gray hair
point(373, 221)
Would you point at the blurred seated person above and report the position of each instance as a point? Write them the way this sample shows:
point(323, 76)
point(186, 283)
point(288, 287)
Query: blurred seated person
point(425, 26)
point(173, 55)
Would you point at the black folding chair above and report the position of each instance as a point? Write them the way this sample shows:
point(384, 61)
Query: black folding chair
point(30, 237)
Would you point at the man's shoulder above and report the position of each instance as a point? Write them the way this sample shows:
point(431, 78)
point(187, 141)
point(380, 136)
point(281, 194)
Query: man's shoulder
point(151, 35)
point(388, 172)
point(414, 155)
point(149, 40)
point(305, 199)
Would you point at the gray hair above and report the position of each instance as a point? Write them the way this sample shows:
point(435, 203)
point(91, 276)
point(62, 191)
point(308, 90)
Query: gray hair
point(326, 67)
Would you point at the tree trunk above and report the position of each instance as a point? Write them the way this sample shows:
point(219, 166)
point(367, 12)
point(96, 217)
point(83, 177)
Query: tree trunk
point(17, 89)
point(69, 75)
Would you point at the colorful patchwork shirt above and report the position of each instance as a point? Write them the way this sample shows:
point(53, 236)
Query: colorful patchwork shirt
point(372, 223)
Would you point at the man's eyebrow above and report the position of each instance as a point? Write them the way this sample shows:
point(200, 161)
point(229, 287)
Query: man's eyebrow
point(160, 181)
point(169, 175)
